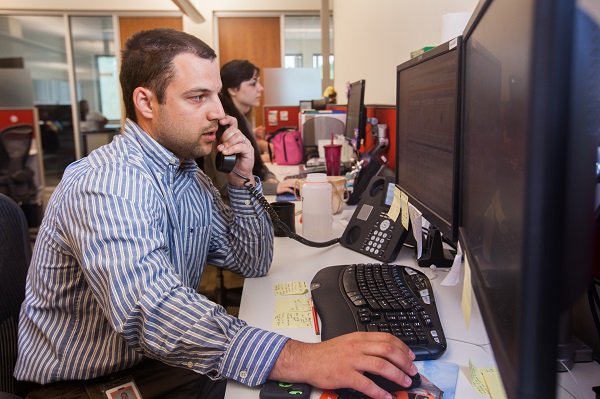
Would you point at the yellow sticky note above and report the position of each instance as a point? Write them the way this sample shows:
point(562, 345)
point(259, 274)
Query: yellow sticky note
point(405, 214)
point(477, 380)
point(467, 294)
point(291, 288)
point(494, 383)
point(292, 313)
point(395, 208)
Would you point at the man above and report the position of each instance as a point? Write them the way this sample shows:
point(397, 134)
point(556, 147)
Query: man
point(111, 292)
point(90, 121)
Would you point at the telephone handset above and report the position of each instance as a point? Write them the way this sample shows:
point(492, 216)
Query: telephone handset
point(371, 231)
point(226, 164)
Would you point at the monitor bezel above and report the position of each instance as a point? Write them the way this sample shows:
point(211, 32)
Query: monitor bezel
point(551, 209)
point(358, 86)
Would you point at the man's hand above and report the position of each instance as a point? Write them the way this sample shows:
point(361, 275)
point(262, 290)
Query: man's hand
point(233, 141)
point(341, 362)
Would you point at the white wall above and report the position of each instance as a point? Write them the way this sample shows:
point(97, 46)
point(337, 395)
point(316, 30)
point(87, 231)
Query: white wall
point(370, 37)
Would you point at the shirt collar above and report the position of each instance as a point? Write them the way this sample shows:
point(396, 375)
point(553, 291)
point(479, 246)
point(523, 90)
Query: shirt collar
point(156, 153)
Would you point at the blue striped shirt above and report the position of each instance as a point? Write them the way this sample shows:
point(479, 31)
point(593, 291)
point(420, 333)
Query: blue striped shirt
point(117, 263)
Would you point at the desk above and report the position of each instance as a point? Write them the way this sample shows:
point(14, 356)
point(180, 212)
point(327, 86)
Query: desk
point(294, 261)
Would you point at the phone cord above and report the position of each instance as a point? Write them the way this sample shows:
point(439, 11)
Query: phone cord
point(275, 217)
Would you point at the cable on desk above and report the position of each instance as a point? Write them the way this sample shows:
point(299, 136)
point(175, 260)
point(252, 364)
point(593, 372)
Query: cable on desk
point(262, 201)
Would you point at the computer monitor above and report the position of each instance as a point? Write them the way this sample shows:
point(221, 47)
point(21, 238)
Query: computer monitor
point(427, 142)
point(528, 158)
point(356, 113)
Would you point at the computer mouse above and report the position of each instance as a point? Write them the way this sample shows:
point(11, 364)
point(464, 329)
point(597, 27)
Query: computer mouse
point(390, 386)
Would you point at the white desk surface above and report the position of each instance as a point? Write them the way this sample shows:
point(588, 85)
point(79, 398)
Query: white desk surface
point(294, 261)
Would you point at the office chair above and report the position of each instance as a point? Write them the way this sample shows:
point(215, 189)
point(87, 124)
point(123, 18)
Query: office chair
point(15, 255)
point(214, 288)
point(321, 128)
point(16, 178)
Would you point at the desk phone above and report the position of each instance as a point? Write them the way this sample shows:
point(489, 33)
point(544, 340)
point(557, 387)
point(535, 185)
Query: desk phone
point(370, 230)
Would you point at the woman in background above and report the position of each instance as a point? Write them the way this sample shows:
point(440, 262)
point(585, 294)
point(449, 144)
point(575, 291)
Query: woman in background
point(240, 93)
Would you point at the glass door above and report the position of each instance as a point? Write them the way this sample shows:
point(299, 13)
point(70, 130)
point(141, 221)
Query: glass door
point(96, 81)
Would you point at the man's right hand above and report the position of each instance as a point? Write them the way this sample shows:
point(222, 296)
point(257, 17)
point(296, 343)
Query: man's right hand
point(341, 362)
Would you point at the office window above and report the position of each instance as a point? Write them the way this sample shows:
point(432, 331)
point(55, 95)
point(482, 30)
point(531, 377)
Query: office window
point(96, 74)
point(317, 61)
point(293, 61)
point(108, 86)
point(302, 35)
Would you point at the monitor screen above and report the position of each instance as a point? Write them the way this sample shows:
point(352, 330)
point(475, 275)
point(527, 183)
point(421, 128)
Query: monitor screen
point(526, 198)
point(356, 114)
point(428, 127)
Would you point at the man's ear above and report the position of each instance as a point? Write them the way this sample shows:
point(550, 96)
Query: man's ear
point(144, 101)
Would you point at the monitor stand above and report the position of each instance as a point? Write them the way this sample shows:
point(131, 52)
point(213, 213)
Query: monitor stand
point(434, 252)
point(570, 349)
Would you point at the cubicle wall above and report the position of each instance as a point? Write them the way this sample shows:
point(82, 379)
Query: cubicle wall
point(13, 117)
point(276, 117)
point(385, 114)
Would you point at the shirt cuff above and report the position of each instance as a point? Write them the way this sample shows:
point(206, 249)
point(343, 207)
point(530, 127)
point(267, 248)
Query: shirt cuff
point(242, 202)
point(252, 354)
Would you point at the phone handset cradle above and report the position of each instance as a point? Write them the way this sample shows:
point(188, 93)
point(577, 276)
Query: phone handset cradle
point(434, 252)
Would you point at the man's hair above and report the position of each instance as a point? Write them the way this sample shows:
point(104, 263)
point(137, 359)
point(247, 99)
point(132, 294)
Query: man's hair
point(235, 72)
point(147, 61)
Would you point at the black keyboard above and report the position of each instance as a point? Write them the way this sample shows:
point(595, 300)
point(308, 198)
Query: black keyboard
point(380, 297)
point(307, 170)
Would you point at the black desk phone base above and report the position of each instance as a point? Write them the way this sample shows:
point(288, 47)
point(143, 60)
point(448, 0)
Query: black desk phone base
point(371, 231)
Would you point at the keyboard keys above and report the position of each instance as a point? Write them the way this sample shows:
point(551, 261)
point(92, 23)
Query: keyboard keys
point(386, 293)
point(384, 298)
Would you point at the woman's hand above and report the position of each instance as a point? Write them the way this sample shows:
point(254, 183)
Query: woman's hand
point(286, 186)
point(259, 132)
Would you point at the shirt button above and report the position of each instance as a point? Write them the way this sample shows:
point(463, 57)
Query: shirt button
point(190, 364)
point(247, 202)
point(243, 374)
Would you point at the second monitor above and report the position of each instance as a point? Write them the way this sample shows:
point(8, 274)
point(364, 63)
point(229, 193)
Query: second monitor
point(428, 134)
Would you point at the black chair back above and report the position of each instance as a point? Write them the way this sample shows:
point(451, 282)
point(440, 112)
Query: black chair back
point(15, 255)
point(16, 178)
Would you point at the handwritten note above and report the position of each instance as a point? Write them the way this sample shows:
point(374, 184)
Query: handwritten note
point(416, 218)
point(405, 213)
point(291, 288)
point(486, 381)
point(395, 208)
point(292, 313)
point(467, 294)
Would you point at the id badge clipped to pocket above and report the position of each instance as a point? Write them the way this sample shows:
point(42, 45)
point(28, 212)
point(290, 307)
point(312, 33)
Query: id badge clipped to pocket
point(123, 388)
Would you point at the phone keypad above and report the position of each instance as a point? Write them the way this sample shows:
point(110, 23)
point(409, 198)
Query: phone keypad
point(379, 237)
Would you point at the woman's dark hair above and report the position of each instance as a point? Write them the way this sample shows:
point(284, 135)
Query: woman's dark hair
point(147, 61)
point(259, 169)
point(235, 72)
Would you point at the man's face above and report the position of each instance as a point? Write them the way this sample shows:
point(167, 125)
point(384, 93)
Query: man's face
point(124, 396)
point(187, 121)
